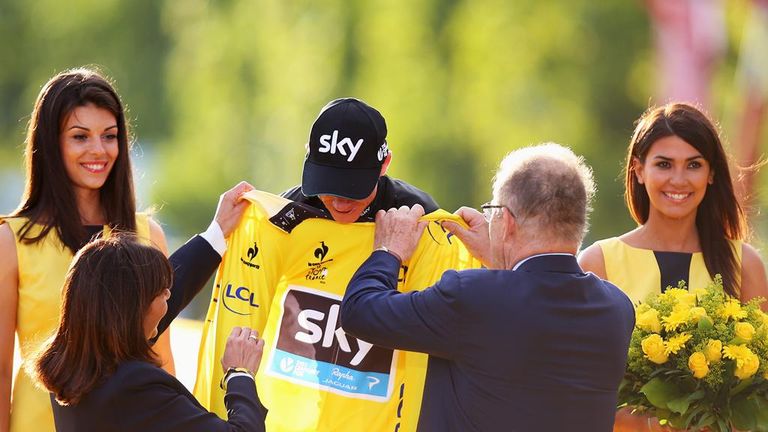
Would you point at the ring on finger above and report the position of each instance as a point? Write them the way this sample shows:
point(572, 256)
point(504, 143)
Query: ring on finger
point(253, 336)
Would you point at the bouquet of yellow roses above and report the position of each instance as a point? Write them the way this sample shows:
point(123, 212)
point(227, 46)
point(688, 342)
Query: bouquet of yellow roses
point(698, 360)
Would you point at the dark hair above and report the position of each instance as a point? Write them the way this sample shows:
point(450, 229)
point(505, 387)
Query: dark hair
point(107, 293)
point(719, 217)
point(49, 198)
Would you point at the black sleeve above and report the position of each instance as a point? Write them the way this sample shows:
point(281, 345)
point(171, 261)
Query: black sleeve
point(193, 264)
point(427, 321)
point(152, 404)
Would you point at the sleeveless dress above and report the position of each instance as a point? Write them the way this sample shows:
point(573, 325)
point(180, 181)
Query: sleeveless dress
point(42, 269)
point(641, 272)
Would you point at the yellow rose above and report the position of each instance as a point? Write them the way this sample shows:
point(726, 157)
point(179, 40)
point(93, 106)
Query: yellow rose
point(763, 317)
point(673, 295)
point(686, 299)
point(744, 331)
point(649, 321)
point(747, 366)
point(654, 349)
point(713, 351)
point(696, 313)
point(747, 362)
point(698, 364)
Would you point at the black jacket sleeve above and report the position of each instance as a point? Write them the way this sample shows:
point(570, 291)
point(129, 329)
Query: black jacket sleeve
point(193, 264)
point(427, 321)
point(152, 401)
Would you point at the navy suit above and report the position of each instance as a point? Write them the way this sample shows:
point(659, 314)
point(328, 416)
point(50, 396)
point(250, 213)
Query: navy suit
point(540, 348)
point(141, 397)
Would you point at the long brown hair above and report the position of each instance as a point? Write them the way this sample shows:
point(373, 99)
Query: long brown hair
point(107, 293)
point(49, 198)
point(719, 217)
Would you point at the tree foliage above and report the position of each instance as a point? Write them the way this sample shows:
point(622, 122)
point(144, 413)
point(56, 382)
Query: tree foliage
point(227, 90)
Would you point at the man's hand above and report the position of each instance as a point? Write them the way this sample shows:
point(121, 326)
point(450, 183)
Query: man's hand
point(476, 238)
point(243, 350)
point(231, 207)
point(399, 230)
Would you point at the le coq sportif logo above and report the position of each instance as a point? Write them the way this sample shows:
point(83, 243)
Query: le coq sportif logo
point(251, 254)
point(322, 251)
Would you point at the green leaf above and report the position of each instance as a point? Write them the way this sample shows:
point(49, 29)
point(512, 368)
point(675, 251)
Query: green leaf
point(706, 420)
point(743, 413)
point(722, 425)
point(698, 394)
point(743, 384)
point(695, 412)
point(679, 405)
point(705, 324)
point(660, 392)
point(761, 416)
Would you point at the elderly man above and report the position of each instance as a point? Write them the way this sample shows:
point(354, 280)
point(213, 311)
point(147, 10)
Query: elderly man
point(530, 344)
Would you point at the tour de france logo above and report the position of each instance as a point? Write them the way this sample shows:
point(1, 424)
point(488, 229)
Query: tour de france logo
point(251, 254)
point(318, 271)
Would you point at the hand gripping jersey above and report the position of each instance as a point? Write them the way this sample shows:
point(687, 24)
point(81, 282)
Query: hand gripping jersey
point(284, 274)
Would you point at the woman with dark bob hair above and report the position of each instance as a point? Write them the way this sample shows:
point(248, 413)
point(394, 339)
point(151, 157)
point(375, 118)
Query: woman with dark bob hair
point(690, 225)
point(78, 186)
point(100, 367)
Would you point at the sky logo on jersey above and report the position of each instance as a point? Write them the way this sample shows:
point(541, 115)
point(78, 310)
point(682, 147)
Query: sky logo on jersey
point(239, 299)
point(313, 350)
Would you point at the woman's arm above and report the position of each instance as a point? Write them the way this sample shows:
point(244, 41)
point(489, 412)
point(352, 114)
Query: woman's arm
point(591, 260)
point(753, 279)
point(9, 297)
point(163, 345)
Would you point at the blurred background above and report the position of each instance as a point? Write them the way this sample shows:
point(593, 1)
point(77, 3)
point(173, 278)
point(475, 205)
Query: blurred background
point(224, 90)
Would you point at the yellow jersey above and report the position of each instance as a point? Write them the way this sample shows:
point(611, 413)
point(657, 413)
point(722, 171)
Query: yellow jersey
point(284, 274)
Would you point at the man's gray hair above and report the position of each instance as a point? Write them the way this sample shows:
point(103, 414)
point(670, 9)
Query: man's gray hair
point(549, 189)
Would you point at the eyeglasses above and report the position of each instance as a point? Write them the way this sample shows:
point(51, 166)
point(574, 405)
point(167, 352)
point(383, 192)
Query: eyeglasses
point(488, 210)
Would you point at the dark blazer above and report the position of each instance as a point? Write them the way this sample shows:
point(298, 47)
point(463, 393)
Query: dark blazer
point(141, 397)
point(540, 348)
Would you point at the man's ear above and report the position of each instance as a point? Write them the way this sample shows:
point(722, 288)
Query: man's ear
point(385, 165)
point(637, 169)
point(509, 223)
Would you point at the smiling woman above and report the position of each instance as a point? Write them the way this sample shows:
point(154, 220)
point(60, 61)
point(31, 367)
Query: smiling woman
point(691, 227)
point(89, 147)
point(78, 185)
point(675, 176)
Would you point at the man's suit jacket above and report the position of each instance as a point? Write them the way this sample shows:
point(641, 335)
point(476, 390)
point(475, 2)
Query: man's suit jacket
point(539, 348)
point(141, 397)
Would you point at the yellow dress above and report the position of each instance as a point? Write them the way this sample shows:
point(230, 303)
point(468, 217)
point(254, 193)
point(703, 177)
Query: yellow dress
point(42, 268)
point(641, 272)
